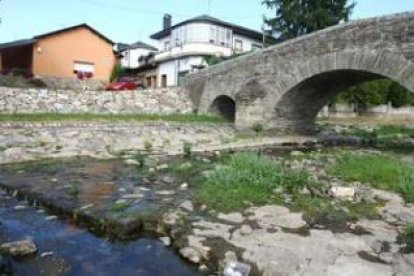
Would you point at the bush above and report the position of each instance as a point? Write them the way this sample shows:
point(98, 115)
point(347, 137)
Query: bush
point(258, 128)
point(116, 72)
point(187, 149)
point(406, 239)
point(140, 158)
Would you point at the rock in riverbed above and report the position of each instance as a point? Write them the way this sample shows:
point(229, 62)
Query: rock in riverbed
point(18, 248)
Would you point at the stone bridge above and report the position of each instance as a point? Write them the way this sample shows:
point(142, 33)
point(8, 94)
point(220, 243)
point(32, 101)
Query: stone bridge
point(283, 87)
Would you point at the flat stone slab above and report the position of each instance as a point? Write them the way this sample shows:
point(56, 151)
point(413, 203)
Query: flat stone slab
point(274, 217)
point(108, 193)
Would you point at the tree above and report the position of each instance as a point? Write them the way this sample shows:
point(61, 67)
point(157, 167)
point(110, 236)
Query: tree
point(399, 96)
point(376, 92)
point(294, 18)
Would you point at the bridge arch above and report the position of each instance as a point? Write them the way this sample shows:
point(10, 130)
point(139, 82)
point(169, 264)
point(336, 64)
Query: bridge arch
point(300, 102)
point(224, 106)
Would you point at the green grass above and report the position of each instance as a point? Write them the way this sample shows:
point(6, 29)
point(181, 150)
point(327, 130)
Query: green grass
point(406, 239)
point(247, 178)
point(73, 188)
point(379, 170)
point(119, 206)
point(406, 186)
point(52, 117)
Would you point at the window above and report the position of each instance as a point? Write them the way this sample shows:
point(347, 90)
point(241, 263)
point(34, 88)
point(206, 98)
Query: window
point(83, 70)
point(166, 46)
point(238, 45)
point(164, 81)
point(84, 67)
point(148, 82)
point(220, 36)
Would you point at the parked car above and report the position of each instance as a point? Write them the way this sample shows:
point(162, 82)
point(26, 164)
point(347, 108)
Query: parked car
point(125, 83)
point(121, 85)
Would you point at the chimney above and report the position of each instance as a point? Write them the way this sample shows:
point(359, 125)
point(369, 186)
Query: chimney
point(167, 21)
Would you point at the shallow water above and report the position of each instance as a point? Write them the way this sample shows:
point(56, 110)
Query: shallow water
point(97, 191)
point(69, 250)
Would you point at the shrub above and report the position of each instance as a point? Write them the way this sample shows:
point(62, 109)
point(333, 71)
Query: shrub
point(187, 149)
point(116, 72)
point(140, 158)
point(258, 128)
point(406, 239)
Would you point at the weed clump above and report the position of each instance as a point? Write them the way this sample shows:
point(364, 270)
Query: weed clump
point(406, 239)
point(187, 147)
point(73, 189)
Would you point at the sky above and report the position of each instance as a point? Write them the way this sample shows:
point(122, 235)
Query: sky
point(132, 20)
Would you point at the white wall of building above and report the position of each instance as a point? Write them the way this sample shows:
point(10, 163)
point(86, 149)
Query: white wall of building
point(246, 42)
point(171, 68)
point(190, 43)
point(167, 68)
point(131, 56)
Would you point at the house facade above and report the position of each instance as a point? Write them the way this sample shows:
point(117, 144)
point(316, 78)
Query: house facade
point(133, 55)
point(183, 48)
point(78, 51)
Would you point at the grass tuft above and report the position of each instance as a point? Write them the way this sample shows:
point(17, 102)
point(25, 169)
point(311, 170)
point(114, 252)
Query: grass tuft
point(247, 178)
point(406, 239)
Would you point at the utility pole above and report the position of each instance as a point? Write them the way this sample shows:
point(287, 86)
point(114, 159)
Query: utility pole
point(264, 32)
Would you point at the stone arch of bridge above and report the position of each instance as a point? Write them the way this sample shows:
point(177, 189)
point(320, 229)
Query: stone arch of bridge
point(301, 101)
point(224, 106)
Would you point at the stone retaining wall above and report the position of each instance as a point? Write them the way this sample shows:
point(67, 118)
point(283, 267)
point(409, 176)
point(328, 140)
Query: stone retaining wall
point(31, 141)
point(167, 100)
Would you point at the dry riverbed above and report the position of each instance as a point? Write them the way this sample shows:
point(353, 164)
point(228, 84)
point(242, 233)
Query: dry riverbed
point(298, 216)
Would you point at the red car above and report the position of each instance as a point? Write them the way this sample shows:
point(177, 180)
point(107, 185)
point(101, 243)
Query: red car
point(121, 85)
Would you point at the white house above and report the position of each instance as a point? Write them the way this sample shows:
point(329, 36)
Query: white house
point(133, 54)
point(184, 46)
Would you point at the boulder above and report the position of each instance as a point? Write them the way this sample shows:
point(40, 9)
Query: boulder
point(236, 269)
point(186, 206)
point(343, 193)
point(18, 248)
point(234, 217)
point(246, 230)
point(191, 254)
point(165, 240)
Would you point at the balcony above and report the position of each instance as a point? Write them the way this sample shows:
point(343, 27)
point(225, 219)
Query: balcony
point(190, 49)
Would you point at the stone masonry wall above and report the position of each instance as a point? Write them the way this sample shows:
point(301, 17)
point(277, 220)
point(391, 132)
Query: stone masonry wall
point(31, 141)
point(167, 100)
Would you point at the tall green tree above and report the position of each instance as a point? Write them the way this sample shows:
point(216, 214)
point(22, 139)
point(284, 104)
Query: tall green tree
point(294, 18)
